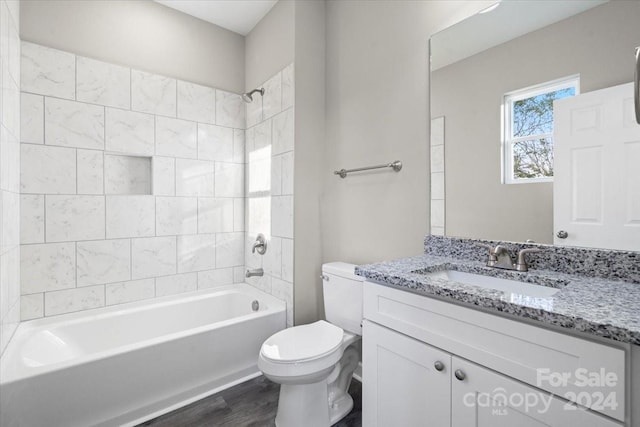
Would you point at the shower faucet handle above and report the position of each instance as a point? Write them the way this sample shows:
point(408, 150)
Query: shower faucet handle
point(259, 245)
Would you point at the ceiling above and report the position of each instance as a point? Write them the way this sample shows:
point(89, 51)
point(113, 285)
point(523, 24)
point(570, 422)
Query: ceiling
point(239, 16)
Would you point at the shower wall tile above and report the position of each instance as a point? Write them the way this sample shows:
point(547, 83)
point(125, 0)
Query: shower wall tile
point(10, 220)
point(127, 174)
point(74, 218)
point(31, 219)
point(254, 111)
point(287, 259)
point(215, 215)
point(47, 267)
point(11, 106)
point(275, 164)
point(282, 216)
point(214, 278)
point(130, 216)
point(180, 283)
point(273, 258)
point(47, 71)
point(238, 145)
point(215, 143)
point(283, 132)
point(9, 162)
point(133, 185)
point(164, 176)
point(176, 138)
point(229, 180)
point(135, 290)
point(197, 103)
point(229, 249)
point(129, 132)
point(176, 215)
point(31, 118)
point(47, 170)
point(194, 178)
point(68, 301)
point(73, 124)
point(288, 92)
point(31, 306)
point(102, 83)
point(272, 100)
point(196, 252)
point(153, 257)
point(154, 94)
point(287, 173)
point(103, 261)
point(90, 171)
point(230, 109)
point(238, 214)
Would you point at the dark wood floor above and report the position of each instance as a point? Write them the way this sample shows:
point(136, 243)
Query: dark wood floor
point(253, 403)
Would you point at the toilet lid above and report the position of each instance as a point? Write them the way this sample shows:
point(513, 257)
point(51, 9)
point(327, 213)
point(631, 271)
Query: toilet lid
point(302, 342)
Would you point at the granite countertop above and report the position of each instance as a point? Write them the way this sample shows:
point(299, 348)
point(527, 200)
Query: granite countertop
point(608, 308)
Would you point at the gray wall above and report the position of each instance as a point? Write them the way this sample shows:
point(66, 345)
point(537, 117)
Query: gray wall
point(270, 45)
point(377, 111)
point(141, 34)
point(310, 52)
point(598, 44)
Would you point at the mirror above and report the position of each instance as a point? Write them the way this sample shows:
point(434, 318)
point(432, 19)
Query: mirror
point(474, 64)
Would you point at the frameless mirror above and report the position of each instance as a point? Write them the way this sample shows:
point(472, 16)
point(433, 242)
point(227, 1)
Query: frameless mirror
point(492, 163)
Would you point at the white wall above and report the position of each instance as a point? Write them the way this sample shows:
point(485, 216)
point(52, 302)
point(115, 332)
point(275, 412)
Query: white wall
point(9, 171)
point(101, 229)
point(269, 47)
point(141, 34)
point(378, 111)
point(310, 137)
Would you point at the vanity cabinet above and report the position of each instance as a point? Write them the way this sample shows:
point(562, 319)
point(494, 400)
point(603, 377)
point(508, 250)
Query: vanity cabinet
point(431, 363)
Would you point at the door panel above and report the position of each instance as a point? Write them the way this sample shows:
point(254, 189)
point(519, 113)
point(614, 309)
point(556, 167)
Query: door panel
point(402, 386)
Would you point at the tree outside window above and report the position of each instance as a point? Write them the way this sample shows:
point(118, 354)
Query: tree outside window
point(529, 130)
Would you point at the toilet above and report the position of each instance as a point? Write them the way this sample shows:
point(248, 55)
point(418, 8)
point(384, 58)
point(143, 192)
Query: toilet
point(314, 363)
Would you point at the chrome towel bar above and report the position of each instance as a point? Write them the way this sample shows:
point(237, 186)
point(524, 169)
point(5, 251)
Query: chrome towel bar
point(396, 166)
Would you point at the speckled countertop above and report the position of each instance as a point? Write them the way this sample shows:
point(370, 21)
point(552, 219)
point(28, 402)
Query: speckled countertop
point(601, 306)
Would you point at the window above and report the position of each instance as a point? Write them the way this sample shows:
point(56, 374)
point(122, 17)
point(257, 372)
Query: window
point(528, 130)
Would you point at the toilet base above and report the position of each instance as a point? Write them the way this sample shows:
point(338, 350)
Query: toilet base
point(303, 405)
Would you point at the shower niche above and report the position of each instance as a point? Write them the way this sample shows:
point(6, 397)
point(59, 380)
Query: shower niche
point(127, 175)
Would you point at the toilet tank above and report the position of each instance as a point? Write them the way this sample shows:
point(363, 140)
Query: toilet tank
point(342, 296)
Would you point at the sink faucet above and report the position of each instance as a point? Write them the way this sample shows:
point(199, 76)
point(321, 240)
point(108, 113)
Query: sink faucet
point(500, 257)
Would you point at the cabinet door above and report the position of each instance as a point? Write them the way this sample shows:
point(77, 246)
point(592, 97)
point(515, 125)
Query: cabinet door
point(484, 398)
point(402, 386)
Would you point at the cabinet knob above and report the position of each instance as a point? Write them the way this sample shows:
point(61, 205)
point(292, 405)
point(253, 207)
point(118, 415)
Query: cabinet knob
point(460, 374)
point(438, 365)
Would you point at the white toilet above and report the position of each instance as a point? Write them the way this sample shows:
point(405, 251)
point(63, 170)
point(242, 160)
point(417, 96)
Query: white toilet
point(314, 363)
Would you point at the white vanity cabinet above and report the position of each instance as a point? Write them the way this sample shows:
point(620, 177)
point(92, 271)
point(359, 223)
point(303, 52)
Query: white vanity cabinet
point(431, 363)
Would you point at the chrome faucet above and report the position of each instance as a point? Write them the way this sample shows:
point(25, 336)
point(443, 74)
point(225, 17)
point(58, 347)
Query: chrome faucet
point(260, 245)
point(500, 257)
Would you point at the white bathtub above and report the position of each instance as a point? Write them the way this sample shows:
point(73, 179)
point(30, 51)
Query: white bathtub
point(125, 364)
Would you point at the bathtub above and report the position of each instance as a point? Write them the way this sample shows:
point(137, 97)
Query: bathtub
point(122, 365)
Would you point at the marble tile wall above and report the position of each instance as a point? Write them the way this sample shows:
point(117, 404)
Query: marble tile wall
point(9, 170)
point(269, 186)
point(132, 184)
point(438, 201)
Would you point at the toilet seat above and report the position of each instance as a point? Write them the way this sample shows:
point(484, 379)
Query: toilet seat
point(303, 343)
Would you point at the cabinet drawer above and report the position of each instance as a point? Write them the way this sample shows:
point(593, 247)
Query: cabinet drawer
point(545, 359)
point(484, 398)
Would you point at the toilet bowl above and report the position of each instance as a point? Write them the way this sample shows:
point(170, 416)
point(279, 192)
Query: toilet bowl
point(314, 363)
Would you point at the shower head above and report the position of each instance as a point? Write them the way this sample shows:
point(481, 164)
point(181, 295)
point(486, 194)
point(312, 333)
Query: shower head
point(248, 97)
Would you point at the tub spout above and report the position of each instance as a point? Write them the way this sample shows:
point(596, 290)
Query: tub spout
point(256, 272)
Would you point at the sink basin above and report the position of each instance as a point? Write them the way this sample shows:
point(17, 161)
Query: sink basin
point(496, 283)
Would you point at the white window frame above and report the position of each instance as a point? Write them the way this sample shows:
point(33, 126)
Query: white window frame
point(507, 133)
